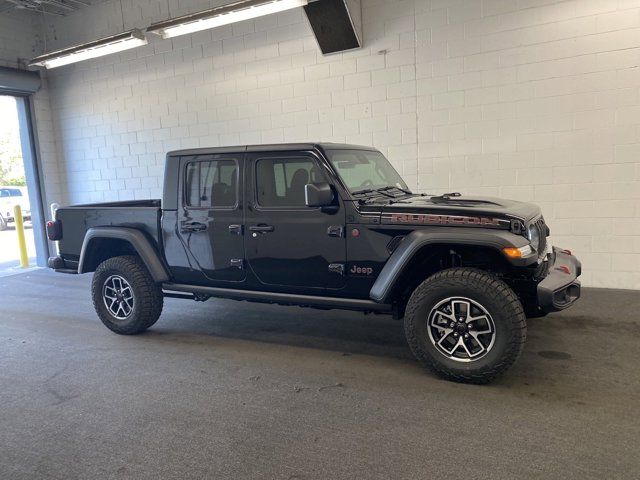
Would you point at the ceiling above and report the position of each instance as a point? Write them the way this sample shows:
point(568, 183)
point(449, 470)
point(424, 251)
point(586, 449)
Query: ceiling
point(47, 7)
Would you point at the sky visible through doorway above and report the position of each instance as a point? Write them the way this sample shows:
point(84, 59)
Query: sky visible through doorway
point(11, 164)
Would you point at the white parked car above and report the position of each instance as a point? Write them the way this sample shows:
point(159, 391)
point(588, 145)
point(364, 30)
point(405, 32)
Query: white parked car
point(9, 198)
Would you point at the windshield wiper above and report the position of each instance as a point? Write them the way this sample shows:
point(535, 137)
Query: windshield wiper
point(375, 190)
point(382, 190)
point(408, 192)
point(391, 187)
point(371, 190)
point(363, 192)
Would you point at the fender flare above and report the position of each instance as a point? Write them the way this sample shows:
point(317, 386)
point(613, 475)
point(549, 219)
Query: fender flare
point(138, 240)
point(412, 243)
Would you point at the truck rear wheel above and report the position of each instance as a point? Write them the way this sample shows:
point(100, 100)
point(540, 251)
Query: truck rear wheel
point(465, 325)
point(125, 296)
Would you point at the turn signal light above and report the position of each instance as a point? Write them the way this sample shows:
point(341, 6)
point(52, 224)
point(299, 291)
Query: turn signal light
point(515, 252)
point(512, 252)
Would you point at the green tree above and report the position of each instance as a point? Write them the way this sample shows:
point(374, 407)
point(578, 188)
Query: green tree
point(11, 163)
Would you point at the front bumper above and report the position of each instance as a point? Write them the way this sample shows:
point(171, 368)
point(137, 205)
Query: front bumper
point(560, 288)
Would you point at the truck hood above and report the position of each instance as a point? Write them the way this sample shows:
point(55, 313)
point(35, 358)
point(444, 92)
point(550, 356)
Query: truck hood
point(411, 209)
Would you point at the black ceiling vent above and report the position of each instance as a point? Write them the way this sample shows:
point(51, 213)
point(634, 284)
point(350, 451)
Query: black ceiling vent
point(336, 24)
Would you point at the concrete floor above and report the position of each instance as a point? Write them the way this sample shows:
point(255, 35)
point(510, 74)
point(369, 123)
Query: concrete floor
point(9, 251)
point(237, 390)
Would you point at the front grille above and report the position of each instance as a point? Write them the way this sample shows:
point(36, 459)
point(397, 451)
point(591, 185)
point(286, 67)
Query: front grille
point(542, 232)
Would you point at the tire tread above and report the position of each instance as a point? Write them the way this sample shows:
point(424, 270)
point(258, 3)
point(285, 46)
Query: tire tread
point(491, 285)
point(148, 296)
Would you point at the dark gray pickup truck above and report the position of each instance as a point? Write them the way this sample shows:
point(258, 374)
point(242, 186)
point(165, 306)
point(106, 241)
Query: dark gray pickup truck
point(325, 226)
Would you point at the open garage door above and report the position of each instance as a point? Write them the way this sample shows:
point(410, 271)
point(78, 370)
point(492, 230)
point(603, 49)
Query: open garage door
point(21, 179)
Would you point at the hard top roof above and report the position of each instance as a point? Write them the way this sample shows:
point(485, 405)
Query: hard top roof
point(276, 147)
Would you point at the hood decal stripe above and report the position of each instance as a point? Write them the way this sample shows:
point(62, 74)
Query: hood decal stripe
point(447, 220)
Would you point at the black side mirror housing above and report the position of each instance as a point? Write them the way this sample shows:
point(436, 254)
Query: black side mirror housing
point(318, 194)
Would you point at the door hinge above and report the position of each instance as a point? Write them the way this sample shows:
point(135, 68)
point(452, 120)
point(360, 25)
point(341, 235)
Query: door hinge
point(237, 263)
point(335, 231)
point(337, 268)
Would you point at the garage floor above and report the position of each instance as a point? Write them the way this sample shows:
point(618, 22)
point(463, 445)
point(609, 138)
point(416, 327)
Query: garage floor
point(235, 390)
point(10, 253)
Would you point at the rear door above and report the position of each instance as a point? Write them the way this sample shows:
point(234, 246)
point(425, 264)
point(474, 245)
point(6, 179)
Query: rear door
point(291, 246)
point(210, 217)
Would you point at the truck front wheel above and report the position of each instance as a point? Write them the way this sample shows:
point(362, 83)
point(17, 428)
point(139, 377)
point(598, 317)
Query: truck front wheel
point(125, 296)
point(465, 325)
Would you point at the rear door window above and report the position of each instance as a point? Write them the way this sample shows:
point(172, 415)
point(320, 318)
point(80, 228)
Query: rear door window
point(211, 184)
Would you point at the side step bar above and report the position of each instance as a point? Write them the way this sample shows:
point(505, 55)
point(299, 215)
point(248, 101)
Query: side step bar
point(279, 298)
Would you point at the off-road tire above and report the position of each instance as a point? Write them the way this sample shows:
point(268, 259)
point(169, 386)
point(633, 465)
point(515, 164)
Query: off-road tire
point(3, 224)
point(500, 302)
point(147, 295)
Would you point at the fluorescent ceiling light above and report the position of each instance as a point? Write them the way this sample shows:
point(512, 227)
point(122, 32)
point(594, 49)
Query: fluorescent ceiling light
point(223, 15)
point(85, 51)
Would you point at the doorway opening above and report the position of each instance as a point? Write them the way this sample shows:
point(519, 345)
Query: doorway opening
point(13, 186)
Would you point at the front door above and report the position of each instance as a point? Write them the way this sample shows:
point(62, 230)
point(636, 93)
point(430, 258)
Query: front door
point(287, 243)
point(210, 219)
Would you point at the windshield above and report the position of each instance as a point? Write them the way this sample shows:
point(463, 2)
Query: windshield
point(365, 170)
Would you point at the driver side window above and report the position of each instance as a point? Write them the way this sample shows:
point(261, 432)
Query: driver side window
point(280, 181)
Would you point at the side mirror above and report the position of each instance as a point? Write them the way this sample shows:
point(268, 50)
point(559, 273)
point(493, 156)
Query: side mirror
point(318, 195)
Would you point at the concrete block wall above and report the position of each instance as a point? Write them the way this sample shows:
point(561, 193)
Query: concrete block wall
point(54, 189)
point(536, 100)
point(21, 39)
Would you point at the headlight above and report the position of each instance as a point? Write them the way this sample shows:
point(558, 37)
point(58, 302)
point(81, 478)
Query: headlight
point(533, 234)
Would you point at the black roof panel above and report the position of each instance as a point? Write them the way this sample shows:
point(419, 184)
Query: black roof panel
point(267, 148)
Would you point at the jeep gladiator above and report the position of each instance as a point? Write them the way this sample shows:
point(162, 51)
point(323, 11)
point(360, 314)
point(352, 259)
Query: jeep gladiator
point(325, 226)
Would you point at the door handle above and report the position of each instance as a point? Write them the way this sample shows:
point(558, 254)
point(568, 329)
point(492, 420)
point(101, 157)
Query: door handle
point(261, 228)
point(235, 229)
point(190, 227)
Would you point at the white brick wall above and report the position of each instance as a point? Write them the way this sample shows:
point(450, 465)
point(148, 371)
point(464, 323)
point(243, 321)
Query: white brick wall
point(20, 40)
point(537, 100)
point(46, 144)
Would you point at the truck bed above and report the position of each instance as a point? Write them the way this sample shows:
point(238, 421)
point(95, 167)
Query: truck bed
point(151, 203)
point(143, 215)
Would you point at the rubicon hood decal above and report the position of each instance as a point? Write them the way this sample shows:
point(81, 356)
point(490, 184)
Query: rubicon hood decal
point(450, 220)
point(481, 212)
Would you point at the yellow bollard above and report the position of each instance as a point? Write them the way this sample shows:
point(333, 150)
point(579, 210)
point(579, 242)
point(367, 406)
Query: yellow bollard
point(22, 243)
